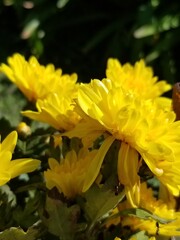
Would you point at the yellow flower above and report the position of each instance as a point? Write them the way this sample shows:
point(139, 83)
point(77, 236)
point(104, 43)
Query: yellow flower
point(11, 169)
point(146, 132)
point(139, 78)
point(164, 210)
point(37, 81)
point(55, 110)
point(70, 175)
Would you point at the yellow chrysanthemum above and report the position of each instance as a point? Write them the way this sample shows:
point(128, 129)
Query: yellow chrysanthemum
point(12, 168)
point(164, 210)
point(146, 132)
point(37, 81)
point(70, 175)
point(55, 110)
point(139, 78)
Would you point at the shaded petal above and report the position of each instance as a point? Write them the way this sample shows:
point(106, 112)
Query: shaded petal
point(53, 163)
point(128, 166)
point(4, 177)
point(96, 163)
point(20, 166)
point(133, 194)
point(89, 131)
point(50, 179)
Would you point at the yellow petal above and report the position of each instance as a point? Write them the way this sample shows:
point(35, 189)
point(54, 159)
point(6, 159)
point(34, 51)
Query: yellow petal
point(96, 163)
point(5, 158)
point(20, 166)
point(53, 163)
point(4, 177)
point(128, 167)
point(50, 179)
point(9, 142)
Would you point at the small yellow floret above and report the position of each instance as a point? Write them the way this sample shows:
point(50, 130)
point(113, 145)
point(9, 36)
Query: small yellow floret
point(70, 175)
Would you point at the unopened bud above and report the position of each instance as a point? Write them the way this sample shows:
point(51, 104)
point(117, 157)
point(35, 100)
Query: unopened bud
point(23, 129)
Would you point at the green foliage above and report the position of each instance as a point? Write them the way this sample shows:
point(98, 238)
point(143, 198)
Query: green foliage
point(11, 105)
point(141, 235)
point(144, 214)
point(100, 201)
point(61, 220)
point(18, 234)
point(27, 216)
point(5, 210)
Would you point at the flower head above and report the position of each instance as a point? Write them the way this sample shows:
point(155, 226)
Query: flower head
point(13, 168)
point(37, 81)
point(55, 110)
point(146, 132)
point(164, 210)
point(139, 78)
point(70, 174)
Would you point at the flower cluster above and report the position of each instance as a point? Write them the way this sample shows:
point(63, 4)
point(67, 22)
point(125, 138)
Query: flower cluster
point(112, 136)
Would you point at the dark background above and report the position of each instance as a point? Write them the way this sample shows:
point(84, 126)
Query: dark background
point(79, 35)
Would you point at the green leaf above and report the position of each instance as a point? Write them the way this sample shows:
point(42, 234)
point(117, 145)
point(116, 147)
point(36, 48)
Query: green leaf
point(6, 207)
point(144, 214)
point(12, 102)
point(62, 3)
point(32, 147)
point(11, 197)
point(18, 234)
point(26, 216)
point(99, 202)
point(145, 31)
point(30, 28)
point(60, 219)
point(140, 236)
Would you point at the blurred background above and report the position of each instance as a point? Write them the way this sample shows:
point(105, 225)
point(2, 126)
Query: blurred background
point(79, 35)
